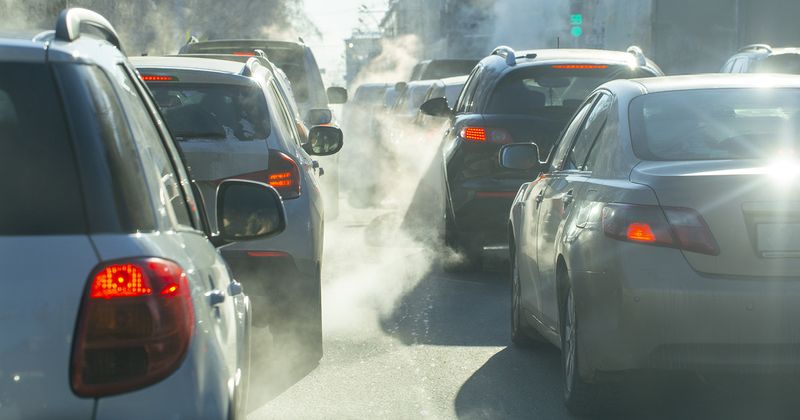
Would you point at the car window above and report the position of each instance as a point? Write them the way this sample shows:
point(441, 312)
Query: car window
point(466, 99)
point(568, 138)
point(715, 124)
point(588, 134)
point(41, 192)
point(286, 124)
point(154, 156)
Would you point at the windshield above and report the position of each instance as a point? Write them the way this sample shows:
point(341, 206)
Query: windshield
point(716, 124)
point(213, 111)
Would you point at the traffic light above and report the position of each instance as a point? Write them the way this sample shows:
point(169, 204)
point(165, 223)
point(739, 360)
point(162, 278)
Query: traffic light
point(576, 21)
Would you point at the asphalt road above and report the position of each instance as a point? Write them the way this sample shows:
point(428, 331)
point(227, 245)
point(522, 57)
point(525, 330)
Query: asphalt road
point(403, 340)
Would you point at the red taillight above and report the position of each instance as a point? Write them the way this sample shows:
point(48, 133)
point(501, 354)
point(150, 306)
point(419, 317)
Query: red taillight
point(245, 53)
point(580, 66)
point(672, 227)
point(283, 174)
point(486, 135)
point(134, 328)
point(157, 78)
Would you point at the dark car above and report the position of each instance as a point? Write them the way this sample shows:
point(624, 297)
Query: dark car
point(762, 58)
point(512, 97)
point(442, 69)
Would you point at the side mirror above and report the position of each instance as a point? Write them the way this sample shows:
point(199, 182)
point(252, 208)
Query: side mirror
point(436, 107)
point(337, 95)
point(400, 87)
point(324, 140)
point(319, 116)
point(248, 210)
point(520, 156)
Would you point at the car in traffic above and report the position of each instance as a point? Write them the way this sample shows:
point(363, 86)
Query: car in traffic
point(510, 97)
point(442, 69)
point(297, 60)
point(662, 233)
point(762, 58)
point(449, 88)
point(115, 299)
point(231, 122)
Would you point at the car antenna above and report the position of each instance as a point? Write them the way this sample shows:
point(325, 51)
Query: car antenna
point(558, 42)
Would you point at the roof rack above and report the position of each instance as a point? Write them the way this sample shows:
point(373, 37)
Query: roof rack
point(44, 36)
point(73, 22)
point(508, 53)
point(756, 47)
point(641, 59)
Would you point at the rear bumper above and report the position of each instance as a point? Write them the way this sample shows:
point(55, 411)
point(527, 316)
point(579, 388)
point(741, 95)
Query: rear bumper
point(666, 316)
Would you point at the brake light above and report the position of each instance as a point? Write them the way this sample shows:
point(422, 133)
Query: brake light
point(580, 66)
point(283, 174)
point(135, 324)
point(245, 53)
point(156, 78)
point(486, 135)
point(670, 226)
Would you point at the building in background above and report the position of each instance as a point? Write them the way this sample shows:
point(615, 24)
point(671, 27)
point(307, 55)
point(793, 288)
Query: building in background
point(360, 49)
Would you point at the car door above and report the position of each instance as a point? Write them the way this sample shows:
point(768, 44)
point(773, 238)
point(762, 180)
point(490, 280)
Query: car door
point(561, 186)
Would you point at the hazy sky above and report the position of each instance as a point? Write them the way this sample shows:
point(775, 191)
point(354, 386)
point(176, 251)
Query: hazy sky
point(336, 19)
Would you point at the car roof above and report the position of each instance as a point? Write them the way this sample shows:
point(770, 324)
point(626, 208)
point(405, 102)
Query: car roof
point(86, 49)
point(245, 43)
point(189, 63)
point(575, 55)
point(713, 81)
point(457, 80)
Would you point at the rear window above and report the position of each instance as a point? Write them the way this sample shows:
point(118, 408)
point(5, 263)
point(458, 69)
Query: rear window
point(551, 89)
point(780, 63)
point(715, 124)
point(38, 175)
point(369, 95)
point(213, 111)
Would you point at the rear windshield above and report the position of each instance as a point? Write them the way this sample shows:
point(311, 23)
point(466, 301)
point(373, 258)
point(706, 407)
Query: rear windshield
point(715, 124)
point(38, 177)
point(213, 111)
point(551, 88)
point(780, 63)
point(369, 95)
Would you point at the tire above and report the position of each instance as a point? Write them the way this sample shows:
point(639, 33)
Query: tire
point(580, 397)
point(521, 335)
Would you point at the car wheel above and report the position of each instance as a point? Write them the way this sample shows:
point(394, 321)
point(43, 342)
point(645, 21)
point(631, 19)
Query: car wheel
point(521, 335)
point(468, 259)
point(580, 397)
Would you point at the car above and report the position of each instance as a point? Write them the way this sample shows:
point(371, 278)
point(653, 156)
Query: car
point(116, 299)
point(232, 122)
point(661, 236)
point(442, 69)
point(762, 58)
point(406, 106)
point(511, 97)
point(297, 60)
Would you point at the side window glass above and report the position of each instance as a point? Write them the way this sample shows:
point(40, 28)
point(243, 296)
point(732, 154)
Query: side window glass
point(602, 149)
point(134, 202)
point(567, 139)
point(154, 156)
point(286, 124)
point(587, 136)
point(466, 98)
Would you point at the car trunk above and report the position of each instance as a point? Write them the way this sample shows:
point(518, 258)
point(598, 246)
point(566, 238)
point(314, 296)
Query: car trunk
point(752, 210)
point(44, 278)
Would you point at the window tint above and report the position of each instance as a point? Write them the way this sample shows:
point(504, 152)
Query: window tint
point(567, 139)
point(587, 136)
point(154, 157)
point(716, 124)
point(39, 180)
point(287, 124)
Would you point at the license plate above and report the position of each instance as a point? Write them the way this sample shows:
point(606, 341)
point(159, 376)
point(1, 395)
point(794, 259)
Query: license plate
point(778, 237)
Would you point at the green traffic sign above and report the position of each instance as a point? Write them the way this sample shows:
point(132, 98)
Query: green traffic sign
point(576, 20)
point(577, 31)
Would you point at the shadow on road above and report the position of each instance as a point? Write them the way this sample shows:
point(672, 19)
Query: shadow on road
point(521, 384)
point(514, 384)
point(273, 371)
point(468, 310)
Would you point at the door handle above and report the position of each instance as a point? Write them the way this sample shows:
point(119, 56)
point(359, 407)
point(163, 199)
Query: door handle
point(539, 198)
point(215, 297)
point(314, 164)
point(568, 198)
point(235, 288)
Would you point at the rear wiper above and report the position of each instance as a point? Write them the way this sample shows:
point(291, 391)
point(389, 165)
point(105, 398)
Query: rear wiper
point(200, 135)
